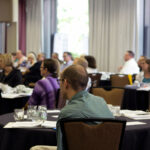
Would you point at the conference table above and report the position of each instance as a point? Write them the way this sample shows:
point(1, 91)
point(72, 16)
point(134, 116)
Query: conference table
point(8, 105)
point(14, 98)
point(136, 137)
point(135, 99)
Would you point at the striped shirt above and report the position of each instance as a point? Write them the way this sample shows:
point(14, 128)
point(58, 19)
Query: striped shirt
point(45, 92)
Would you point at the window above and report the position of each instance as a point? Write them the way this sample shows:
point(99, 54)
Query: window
point(72, 27)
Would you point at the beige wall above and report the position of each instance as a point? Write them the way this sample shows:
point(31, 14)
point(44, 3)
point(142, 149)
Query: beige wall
point(9, 14)
point(8, 10)
point(12, 37)
point(5, 11)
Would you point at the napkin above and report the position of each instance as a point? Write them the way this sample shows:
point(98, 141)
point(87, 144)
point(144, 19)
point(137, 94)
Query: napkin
point(49, 124)
point(22, 124)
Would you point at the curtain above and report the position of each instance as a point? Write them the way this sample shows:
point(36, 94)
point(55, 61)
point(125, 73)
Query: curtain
point(22, 26)
point(147, 29)
point(34, 26)
point(2, 37)
point(112, 31)
point(49, 25)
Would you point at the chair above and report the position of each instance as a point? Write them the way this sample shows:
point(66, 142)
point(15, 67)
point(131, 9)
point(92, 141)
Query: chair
point(95, 78)
point(118, 80)
point(80, 134)
point(113, 96)
point(59, 102)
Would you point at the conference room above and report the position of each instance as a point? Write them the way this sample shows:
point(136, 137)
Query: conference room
point(74, 74)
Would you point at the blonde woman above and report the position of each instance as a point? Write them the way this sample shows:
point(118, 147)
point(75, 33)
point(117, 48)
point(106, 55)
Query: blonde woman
point(9, 74)
point(31, 60)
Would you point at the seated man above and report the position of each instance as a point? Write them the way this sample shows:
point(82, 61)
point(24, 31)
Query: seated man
point(67, 60)
point(130, 66)
point(83, 62)
point(46, 90)
point(81, 103)
point(20, 61)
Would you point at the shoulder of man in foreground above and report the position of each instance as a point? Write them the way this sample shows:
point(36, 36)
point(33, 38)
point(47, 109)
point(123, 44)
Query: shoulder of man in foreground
point(87, 106)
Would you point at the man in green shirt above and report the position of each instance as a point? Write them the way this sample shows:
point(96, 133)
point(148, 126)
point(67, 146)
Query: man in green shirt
point(81, 103)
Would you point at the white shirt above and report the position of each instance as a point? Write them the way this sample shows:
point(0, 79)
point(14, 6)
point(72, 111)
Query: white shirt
point(91, 70)
point(140, 77)
point(130, 67)
point(67, 64)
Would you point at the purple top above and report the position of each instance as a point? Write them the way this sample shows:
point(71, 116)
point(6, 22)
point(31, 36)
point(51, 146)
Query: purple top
point(45, 92)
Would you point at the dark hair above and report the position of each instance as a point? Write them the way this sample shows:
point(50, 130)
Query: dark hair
point(131, 53)
point(52, 66)
point(76, 75)
point(148, 62)
point(69, 54)
point(91, 61)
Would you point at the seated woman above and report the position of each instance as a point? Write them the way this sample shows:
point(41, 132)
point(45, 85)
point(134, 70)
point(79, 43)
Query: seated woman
point(31, 60)
point(9, 74)
point(32, 73)
point(141, 61)
point(91, 64)
point(144, 75)
point(46, 90)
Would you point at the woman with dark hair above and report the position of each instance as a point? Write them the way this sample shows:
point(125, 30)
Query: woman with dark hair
point(46, 90)
point(91, 64)
point(144, 75)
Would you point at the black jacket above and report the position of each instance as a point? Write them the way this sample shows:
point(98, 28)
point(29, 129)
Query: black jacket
point(13, 79)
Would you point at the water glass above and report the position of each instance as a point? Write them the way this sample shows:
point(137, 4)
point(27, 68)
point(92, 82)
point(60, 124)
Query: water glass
point(42, 112)
point(18, 114)
point(32, 112)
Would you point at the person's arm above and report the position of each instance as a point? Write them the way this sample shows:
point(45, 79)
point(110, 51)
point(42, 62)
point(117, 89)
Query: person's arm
point(36, 95)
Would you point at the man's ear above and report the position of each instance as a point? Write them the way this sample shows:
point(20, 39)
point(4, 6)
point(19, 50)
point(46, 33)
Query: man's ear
point(66, 84)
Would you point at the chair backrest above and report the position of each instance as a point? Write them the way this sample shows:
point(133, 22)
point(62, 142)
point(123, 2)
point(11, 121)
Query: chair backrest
point(113, 96)
point(118, 80)
point(59, 102)
point(80, 134)
point(95, 78)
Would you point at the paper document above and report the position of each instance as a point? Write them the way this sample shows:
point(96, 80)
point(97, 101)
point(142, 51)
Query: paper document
point(55, 116)
point(136, 115)
point(53, 111)
point(22, 124)
point(135, 123)
point(132, 112)
point(49, 124)
point(30, 124)
point(144, 88)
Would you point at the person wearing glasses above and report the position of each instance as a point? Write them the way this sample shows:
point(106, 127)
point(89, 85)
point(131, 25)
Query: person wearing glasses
point(46, 89)
point(68, 60)
point(81, 103)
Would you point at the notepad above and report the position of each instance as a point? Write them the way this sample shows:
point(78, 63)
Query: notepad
point(22, 124)
point(135, 123)
point(49, 124)
point(53, 111)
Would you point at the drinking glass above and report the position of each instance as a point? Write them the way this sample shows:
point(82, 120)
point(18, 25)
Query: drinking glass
point(42, 112)
point(32, 112)
point(18, 114)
